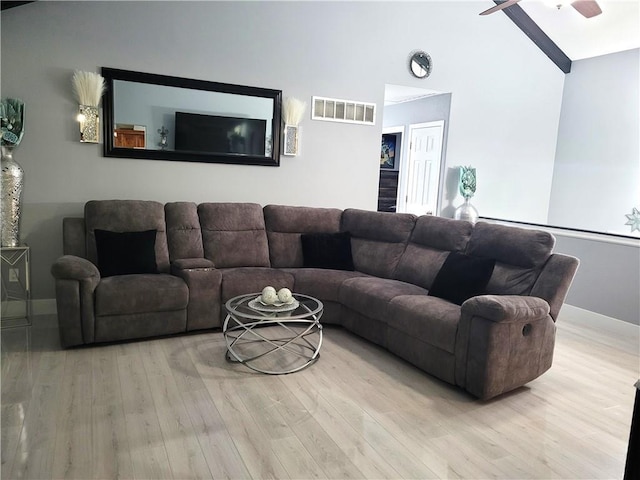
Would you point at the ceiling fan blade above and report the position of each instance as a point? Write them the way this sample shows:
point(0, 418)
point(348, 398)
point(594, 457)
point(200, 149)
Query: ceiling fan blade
point(500, 6)
point(587, 8)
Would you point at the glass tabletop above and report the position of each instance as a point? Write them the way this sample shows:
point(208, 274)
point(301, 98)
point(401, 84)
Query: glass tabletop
point(249, 307)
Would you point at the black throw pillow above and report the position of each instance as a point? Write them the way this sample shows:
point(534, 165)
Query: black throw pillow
point(327, 250)
point(461, 277)
point(126, 253)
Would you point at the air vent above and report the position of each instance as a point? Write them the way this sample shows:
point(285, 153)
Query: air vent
point(349, 111)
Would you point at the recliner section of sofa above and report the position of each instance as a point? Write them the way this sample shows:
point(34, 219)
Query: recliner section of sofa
point(211, 252)
point(94, 309)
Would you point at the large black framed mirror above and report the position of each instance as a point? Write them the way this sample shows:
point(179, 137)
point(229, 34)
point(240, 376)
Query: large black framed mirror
point(160, 117)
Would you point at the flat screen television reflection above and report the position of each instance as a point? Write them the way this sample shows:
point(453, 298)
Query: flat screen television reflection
point(216, 134)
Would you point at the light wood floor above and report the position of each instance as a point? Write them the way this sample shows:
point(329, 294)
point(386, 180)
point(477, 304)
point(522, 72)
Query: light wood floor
point(174, 408)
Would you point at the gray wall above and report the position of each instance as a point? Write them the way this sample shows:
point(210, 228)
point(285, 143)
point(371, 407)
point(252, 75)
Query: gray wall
point(596, 178)
point(608, 279)
point(596, 181)
point(332, 49)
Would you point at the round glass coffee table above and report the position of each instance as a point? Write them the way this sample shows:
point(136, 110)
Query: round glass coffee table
point(273, 339)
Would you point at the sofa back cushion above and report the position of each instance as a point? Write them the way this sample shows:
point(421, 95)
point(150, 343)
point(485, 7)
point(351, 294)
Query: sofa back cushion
point(234, 235)
point(184, 236)
point(285, 225)
point(431, 241)
point(127, 216)
point(378, 239)
point(520, 255)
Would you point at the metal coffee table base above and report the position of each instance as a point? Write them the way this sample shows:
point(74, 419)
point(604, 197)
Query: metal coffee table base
point(273, 343)
point(241, 338)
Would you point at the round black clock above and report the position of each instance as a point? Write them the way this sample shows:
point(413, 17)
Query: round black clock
point(420, 64)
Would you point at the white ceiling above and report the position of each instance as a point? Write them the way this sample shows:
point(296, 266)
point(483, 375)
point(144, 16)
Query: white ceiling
point(616, 29)
point(398, 94)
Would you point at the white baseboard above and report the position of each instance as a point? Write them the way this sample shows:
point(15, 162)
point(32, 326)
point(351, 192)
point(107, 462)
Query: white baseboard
point(595, 320)
point(43, 306)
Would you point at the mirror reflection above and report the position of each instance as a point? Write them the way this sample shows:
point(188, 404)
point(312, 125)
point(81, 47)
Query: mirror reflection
point(160, 117)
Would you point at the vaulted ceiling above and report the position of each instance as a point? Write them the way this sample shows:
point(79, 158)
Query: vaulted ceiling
point(559, 29)
point(615, 30)
point(566, 35)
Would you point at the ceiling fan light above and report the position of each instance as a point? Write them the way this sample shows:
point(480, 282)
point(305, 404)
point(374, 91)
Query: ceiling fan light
point(557, 3)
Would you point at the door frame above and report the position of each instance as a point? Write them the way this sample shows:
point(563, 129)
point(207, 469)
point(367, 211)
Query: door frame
point(398, 129)
point(403, 177)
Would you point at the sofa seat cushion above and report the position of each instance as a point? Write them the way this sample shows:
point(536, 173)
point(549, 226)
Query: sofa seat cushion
point(371, 296)
point(143, 293)
point(429, 319)
point(243, 280)
point(321, 283)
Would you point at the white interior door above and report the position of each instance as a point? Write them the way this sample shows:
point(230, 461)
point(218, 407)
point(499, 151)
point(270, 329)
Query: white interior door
point(422, 170)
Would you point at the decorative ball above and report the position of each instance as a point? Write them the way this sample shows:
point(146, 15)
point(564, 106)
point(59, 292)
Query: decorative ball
point(285, 296)
point(269, 295)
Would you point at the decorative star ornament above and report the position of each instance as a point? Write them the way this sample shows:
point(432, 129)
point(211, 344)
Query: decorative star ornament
point(634, 219)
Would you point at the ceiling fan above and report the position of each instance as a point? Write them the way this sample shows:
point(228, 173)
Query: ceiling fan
point(587, 8)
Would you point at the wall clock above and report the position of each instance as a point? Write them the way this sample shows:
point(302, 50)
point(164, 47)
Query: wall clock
point(420, 64)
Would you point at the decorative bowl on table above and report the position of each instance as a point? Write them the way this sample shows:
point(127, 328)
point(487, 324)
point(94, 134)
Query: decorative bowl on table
point(271, 300)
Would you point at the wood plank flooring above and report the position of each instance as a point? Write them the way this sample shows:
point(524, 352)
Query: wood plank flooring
point(174, 408)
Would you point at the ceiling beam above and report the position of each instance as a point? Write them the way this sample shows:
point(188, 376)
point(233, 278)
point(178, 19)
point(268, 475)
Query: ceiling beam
point(7, 5)
point(535, 33)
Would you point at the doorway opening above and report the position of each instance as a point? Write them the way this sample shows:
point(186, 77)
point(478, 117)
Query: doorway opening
point(415, 124)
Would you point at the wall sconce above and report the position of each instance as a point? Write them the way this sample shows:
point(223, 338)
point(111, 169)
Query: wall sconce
point(88, 88)
point(292, 113)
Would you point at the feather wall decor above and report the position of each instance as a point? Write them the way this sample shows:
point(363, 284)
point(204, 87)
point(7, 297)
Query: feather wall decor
point(293, 111)
point(88, 87)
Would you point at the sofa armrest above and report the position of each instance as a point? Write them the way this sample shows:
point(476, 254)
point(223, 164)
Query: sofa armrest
point(76, 281)
point(554, 281)
point(205, 285)
point(506, 308)
point(70, 267)
point(502, 343)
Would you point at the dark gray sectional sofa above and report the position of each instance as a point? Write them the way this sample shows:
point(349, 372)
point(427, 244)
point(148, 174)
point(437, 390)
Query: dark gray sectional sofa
point(206, 254)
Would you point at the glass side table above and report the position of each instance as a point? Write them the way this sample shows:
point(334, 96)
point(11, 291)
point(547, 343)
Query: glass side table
point(16, 286)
